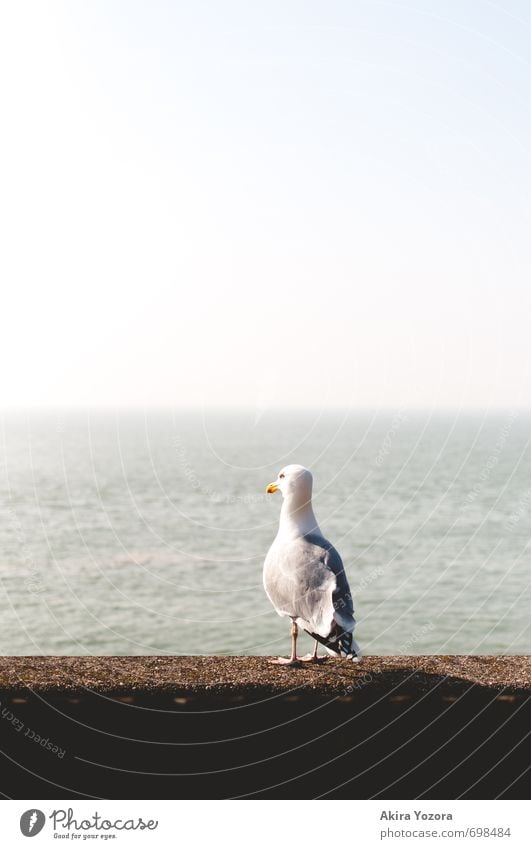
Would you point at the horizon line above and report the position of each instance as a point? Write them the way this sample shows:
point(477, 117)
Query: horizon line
point(250, 409)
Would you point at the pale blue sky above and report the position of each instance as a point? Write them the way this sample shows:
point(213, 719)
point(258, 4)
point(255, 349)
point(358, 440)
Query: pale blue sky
point(247, 204)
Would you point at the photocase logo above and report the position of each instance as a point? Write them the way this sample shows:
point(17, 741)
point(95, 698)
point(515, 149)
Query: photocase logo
point(31, 822)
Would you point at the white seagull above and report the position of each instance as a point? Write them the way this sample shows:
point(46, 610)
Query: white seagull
point(304, 576)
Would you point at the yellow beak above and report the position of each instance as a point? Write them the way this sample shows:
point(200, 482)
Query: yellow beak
point(272, 487)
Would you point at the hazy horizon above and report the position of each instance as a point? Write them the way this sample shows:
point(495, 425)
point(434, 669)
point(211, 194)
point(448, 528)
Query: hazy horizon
point(251, 410)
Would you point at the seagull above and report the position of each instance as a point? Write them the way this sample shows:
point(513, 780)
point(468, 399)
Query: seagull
point(304, 577)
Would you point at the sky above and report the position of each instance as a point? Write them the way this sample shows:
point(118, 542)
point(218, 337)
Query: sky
point(244, 204)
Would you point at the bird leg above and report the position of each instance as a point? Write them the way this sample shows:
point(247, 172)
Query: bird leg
point(293, 660)
point(313, 658)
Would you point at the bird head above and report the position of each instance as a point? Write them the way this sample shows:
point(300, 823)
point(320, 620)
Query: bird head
point(294, 482)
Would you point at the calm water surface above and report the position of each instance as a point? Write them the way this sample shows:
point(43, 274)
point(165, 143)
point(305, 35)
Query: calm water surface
point(139, 534)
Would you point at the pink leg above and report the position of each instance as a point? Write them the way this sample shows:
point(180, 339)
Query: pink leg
point(293, 660)
point(313, 658)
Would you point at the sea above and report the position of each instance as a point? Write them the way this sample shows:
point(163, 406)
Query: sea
point(137, 532)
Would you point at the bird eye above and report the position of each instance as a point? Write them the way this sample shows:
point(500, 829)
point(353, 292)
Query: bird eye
point(282, 476)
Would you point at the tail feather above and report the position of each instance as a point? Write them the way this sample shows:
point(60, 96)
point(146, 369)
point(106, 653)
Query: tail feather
point(340, 643)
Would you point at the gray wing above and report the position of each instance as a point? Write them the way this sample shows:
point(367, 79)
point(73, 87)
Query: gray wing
point(341, 596)
point(340, 639)
point(305, 579)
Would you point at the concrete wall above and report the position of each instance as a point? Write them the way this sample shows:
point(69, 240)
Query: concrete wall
point(188, 727)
